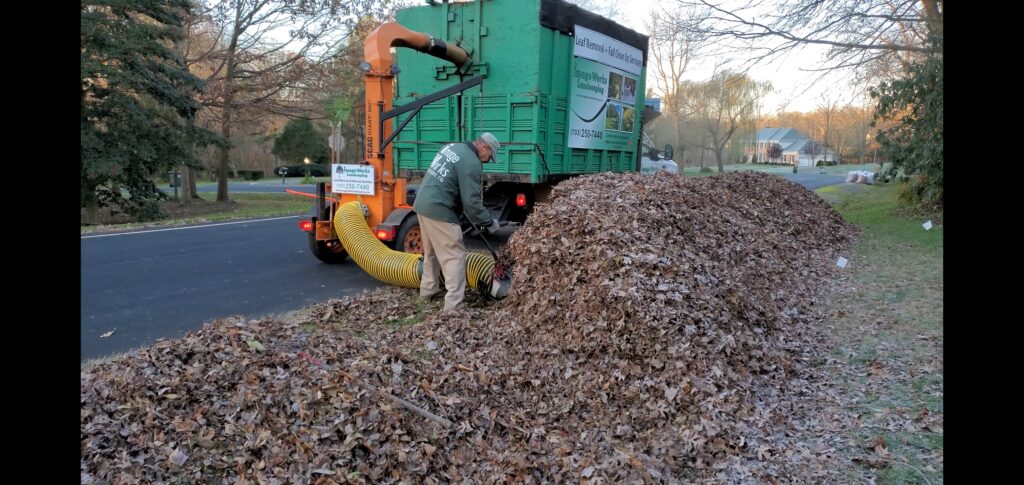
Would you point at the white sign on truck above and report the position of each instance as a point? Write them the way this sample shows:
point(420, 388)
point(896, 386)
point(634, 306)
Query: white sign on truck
point(351, 179)
point(604, 92)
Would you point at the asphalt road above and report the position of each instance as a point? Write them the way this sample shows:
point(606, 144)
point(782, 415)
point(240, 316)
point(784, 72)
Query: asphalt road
point(145, 285)
point(815, 181)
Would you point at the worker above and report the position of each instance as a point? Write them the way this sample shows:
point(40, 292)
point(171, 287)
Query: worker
point(452, 182)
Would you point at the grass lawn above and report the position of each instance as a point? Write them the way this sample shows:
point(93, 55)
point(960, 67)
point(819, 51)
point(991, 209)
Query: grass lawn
point(887, 337)
point(241, 206)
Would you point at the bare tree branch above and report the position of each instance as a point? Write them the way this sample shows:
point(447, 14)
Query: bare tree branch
point(809, 39)
point(853, 29)
point(262, 59)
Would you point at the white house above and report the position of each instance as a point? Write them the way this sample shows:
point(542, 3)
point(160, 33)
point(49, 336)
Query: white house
point(797, 148)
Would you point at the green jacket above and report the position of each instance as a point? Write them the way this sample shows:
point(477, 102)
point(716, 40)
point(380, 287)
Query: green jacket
point(452, 185)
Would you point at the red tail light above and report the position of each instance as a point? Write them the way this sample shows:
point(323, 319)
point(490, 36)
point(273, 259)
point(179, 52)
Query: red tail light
point(521, 200)
point(306, 226)
point(385, 234)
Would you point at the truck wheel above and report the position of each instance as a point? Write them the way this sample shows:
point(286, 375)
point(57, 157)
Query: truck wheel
point(409, 238)
point(330, 252)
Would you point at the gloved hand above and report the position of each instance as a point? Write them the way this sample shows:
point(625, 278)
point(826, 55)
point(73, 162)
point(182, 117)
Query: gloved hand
point(493, 227)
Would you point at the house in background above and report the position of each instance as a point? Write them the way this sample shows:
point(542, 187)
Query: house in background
point(797, 148)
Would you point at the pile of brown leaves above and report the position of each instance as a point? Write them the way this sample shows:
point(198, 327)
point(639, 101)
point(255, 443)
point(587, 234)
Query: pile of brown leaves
point(653, 326)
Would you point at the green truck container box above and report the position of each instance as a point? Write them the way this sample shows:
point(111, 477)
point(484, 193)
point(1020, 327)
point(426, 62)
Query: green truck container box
point(533, 78)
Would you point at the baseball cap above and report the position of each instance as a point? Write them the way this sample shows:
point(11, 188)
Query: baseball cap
point(491, 142)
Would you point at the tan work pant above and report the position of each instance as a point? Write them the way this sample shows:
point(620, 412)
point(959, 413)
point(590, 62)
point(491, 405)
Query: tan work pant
point(443, 251)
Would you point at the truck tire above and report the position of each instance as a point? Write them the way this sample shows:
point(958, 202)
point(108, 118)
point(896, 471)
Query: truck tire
point(332, 254)
point(409, 238)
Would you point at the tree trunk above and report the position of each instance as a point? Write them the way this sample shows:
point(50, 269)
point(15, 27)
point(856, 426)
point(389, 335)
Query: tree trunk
point(223, 152)
point(187, 190)
point(229, 98)
point(678, 130)
point(193, 177)
point(932, 15)
point(92, 206)
point(718, 157)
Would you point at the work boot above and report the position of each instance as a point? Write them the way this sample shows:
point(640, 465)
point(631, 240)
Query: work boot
point(458, 308)
point(428, 299)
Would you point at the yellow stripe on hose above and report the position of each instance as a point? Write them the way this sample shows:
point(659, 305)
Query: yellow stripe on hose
point(378, 260)
point(479, 268)
point(395, 267)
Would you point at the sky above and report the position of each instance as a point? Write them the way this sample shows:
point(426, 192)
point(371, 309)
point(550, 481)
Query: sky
point(793, 89)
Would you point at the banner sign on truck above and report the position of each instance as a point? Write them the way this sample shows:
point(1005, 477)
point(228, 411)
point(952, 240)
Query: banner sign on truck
point(603, 97)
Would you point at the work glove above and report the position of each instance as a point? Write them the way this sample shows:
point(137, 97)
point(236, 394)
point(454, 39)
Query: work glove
point(493, 227)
